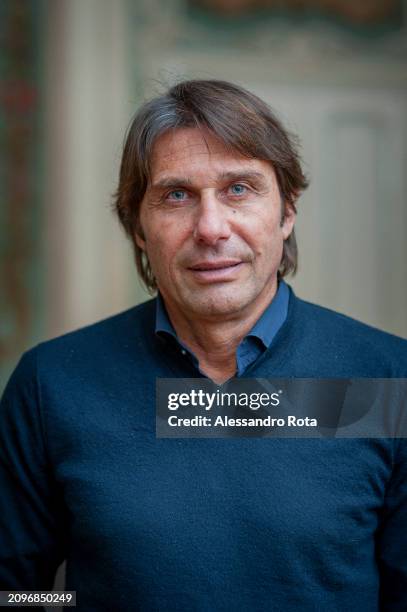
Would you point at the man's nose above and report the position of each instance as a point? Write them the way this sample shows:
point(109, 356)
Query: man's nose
point(211, 223)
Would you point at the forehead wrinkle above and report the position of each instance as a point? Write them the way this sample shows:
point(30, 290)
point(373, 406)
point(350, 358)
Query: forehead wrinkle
point(183, 142)
point(186, 152)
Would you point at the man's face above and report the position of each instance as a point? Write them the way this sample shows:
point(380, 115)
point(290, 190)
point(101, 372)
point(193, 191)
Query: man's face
point(210, 223)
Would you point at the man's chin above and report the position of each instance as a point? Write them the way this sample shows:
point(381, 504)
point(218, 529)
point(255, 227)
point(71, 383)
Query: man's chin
point(217, 306)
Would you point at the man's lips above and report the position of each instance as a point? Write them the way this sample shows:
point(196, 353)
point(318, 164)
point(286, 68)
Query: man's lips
point(224, 270)
point(204, 266)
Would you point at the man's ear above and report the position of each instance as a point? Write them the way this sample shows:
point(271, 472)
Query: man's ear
point(288, 220)
point(139, 236)
point(140, 242)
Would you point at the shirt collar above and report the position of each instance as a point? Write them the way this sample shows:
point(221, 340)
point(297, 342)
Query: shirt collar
point(264, 329)
point(162, 321)
point(273, 317)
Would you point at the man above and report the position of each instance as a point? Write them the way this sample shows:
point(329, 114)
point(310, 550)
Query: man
point(207, 193)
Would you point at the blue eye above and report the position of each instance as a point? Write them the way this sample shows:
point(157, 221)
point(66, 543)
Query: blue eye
point(177, 194)
point(238, 189)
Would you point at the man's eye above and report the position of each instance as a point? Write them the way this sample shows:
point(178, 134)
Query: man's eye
point(177, 195)
point(237, 189)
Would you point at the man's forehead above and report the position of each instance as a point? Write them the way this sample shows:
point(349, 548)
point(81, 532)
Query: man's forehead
point(190, 147)
point(183, 142)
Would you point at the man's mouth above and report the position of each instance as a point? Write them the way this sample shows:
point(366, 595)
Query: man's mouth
point(216, 271)
point(215, 265)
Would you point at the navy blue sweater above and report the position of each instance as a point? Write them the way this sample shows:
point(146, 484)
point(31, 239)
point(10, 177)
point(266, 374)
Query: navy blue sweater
point(197, 524)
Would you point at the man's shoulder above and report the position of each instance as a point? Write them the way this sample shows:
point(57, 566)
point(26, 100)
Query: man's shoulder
point(347, 336)
point(133, 318)
point(126, 329)
point(112, 345)
point(341, 323)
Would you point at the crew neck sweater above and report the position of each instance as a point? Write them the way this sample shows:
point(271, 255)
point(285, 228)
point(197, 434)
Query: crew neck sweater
point(241, 524)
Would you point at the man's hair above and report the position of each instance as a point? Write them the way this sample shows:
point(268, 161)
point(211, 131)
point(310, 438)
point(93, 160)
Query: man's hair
point(241, 120)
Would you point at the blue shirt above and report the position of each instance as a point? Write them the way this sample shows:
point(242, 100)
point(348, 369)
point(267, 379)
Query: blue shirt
point(253, 344)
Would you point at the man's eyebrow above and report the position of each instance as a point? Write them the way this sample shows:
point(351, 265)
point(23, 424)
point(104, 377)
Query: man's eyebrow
point(242, 174)
point(178, 181)
point(171, 181)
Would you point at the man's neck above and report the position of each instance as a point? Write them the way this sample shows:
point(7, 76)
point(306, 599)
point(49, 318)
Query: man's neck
point(214, 341)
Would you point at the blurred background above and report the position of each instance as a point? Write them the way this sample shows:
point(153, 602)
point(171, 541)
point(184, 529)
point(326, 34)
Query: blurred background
point(73, 72)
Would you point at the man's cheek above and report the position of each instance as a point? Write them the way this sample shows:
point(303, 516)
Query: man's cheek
point(160, 259)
